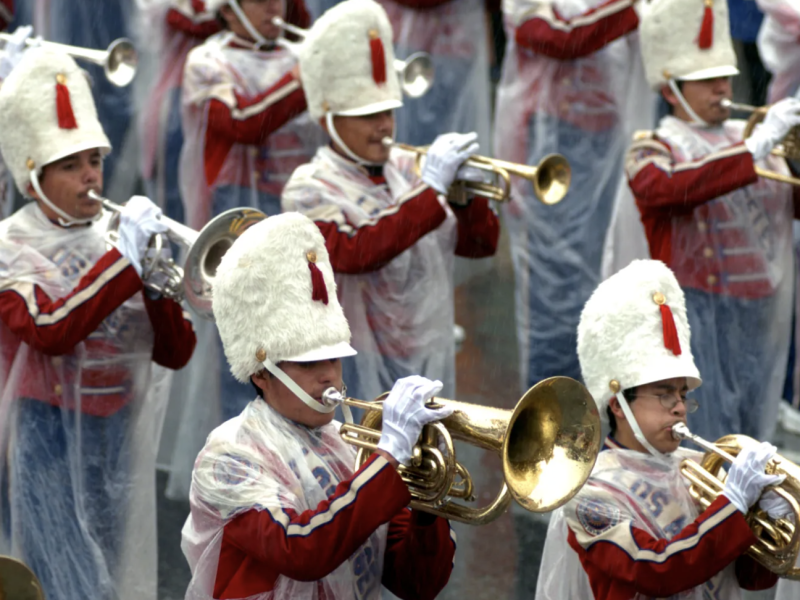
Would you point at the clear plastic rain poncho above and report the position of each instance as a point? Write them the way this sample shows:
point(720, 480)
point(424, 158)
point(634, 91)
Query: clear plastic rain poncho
point(250, 176)
point(778, 46)
point(626, 489)
point(162, 51)
point(80, 430)
point(454, 34)
point(585, 109)
point(401, 316)
point(741, 246)
point(262, 460)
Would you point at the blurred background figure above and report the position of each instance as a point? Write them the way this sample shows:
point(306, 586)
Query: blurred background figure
point(572, 83)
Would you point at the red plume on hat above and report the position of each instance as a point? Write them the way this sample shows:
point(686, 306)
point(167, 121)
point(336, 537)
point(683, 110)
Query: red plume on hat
point(378, 56)
point(66, 116)
point(706, 38)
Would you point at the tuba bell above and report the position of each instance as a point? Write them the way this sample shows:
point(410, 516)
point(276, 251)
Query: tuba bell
point(548, 445)
point(778, 545)
point(550, 179)
point(789, 147)
point(205, 249)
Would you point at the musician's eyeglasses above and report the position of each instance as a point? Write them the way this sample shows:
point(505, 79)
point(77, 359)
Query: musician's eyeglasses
point(670, 400)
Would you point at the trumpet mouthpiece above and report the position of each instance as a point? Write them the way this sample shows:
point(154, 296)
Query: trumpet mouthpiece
point(332, 397)
point(277, 21)
point(387, 141)
point(680, 431)
point(726, 103)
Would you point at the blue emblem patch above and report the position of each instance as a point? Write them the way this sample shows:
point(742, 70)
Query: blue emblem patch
point(596, 517)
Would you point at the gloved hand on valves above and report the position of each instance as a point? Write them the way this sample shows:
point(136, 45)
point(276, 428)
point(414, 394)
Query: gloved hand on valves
point(780, 118)
point(405, 413)
point(444, 158)
point(747, 477)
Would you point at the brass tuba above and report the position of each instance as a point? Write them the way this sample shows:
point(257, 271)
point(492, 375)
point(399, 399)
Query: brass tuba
point(548, 445)
point(550, 178)
point(778, 545)
point(205, 250)
point(789, 147)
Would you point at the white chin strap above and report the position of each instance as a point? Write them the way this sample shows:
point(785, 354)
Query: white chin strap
point(64, 219)
point(329, 405)
point(637, 431)
point(673, 85)
point(259, 39)
point(340, 143)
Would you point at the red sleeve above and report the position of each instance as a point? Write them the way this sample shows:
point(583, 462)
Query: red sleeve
point(369, 247)
point(297, 14)
point(251, 121)
point(200, 26)
point(752, 576)
point(478, 229)
point(659, 183)
point(659, 567)
point(420, 550)
point(546, 32)
point(56, 326)
point(174, 335)
point(310, 545)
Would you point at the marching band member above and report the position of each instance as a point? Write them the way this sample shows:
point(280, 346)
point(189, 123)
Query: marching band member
point(633, 530)
point(183, 25)
point(723, 230)
point(454, 34)
point(241, 97)
point(277, 510)
point(779, 48)
point(571, 84)
point(392, 236)
point(78, 336)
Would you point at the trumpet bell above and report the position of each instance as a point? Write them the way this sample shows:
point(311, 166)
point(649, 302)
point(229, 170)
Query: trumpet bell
point(551, 445)
point(17, 581)
point(417, 75)
point(205, 254)
point(122, 62)
point(552, 179)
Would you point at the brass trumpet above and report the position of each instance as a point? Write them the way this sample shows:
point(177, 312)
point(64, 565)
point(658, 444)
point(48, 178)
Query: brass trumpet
point(17, 581)
point(548, 445)
point(789, 147)
point(778, 545)
point(550, 178)
point(205, 249)
point(119, 60)
point(416, 73)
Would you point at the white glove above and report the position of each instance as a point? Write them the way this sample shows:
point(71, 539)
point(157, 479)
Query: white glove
point(139, 220)
point(14, 50)
point(473, 174)
point(781, 117)
point(775, 506)
point(747, 476)
point(404, 414)
point(444, 158)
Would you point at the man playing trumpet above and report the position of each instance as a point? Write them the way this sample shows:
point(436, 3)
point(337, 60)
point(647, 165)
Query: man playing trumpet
point(79, 402)
point(391, 234)
point(723, 230)
point(277, 511)
point(633, 531)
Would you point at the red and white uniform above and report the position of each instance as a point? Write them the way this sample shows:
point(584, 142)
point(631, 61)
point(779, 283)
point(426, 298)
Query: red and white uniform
point(727, 235)
point(633, 531)
point(779, 46)
point(183, 24)
point(78, 333)
point(277, 512)
point(392, 244)
point(243, 132)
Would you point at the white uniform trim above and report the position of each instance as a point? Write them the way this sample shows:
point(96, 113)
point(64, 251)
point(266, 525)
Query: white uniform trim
point(547, 14)
point(27, 291)
point(242, 114)
point(339, 504)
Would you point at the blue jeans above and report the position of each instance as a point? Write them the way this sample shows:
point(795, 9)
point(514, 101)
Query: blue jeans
point(68, 497)
point(565, 244)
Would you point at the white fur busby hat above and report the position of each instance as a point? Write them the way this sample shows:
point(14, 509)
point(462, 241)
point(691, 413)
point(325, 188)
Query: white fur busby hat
point(347, 62)
point(633, 331)
point(275, 297)
point(685, 40)
point(46, 113)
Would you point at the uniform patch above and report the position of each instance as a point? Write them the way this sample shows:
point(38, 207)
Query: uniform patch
point(596, 517)
point(234, 471)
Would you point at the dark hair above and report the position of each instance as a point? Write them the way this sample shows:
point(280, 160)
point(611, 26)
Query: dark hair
point(630, 396)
